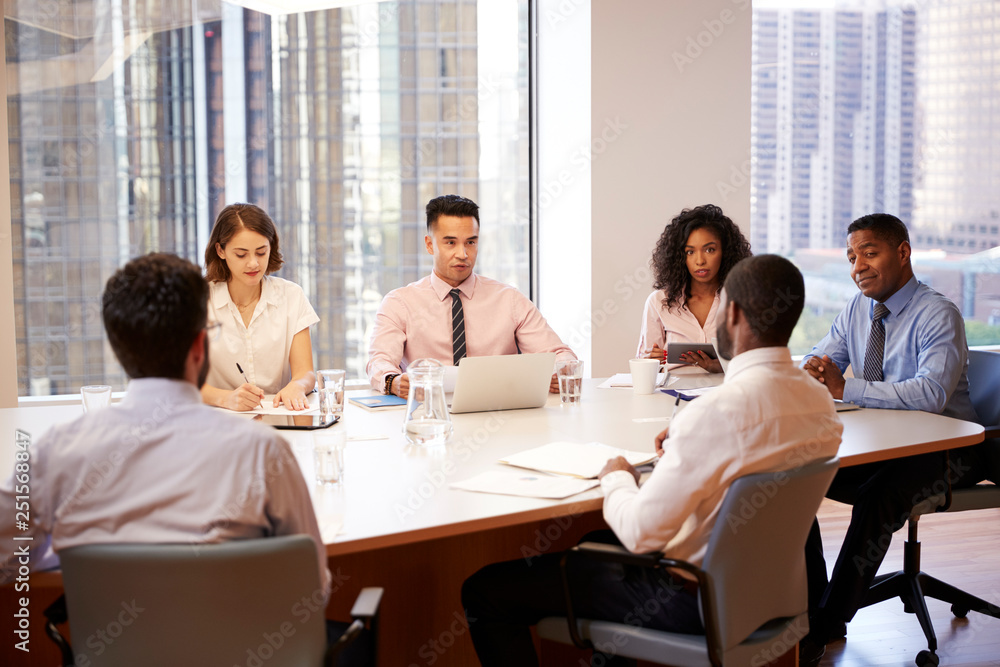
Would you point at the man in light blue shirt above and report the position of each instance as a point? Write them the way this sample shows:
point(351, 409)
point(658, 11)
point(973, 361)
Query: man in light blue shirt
point(907, 349)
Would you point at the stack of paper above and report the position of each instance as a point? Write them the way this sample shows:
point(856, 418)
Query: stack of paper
point(624, 380)
point(584, 460)
point(524, 483)
point(267, 407)
point(562, 469)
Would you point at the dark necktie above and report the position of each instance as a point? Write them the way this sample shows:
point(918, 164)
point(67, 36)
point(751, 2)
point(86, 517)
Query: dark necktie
point(457, 325)
point(876, 345)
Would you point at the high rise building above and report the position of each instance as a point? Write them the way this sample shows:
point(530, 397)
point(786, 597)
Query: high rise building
point(958, 201)
point(833, 114)
point(130, 135)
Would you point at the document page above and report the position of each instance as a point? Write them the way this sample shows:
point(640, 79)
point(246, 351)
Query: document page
point(620, 380)
point(525, 483)
point(577, 459)
point(267, 407)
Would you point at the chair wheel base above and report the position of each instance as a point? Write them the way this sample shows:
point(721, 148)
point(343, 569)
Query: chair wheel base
point(927, 659)
point(959, 611)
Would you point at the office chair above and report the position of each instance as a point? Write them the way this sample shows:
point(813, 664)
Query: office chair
point(751, 585)
point(910, 584)
point(243, 602)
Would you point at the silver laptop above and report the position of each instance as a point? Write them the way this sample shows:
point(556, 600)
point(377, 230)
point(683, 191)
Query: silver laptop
point(503, 382)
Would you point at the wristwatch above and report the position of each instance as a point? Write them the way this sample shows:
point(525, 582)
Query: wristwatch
point(388, 383)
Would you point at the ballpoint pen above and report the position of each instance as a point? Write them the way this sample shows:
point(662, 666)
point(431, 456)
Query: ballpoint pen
point(240, 369)
point(676, 403)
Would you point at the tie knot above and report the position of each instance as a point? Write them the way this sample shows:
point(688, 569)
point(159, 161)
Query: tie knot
point(880, 312)
point(455, 293)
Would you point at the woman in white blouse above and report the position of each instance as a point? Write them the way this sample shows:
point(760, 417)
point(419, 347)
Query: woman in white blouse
point(690, 263)
point(264, 320)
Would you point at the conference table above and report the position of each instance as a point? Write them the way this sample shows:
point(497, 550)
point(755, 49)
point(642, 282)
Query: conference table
point(395, 522)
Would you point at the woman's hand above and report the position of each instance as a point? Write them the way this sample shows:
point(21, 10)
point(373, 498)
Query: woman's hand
point(657, 353)
point(702, 360)
point(245, 397)
point(293, 396)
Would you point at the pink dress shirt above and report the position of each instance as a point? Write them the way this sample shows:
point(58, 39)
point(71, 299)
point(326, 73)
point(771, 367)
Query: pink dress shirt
point(414, 322)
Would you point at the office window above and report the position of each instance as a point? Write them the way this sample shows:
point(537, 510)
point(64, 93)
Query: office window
point(879, 106)
point(132, 124)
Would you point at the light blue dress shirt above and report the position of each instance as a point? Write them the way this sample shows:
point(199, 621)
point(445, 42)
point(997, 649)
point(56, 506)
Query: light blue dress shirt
point(926, 360)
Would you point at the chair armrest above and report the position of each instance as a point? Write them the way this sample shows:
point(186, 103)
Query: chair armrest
point(364, 613)
point(614, 553)
point(367, 603)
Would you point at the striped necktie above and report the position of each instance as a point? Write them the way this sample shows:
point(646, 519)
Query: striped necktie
point(876, 345)
point(457, 325)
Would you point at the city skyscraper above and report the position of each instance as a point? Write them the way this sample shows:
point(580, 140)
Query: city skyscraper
point(341, 123)
point(833, 116)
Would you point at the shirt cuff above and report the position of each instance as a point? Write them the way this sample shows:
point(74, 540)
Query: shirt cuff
point(854, 390)
point(618, 479)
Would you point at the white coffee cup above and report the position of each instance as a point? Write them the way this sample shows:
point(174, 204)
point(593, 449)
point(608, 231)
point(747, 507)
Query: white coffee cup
point(644, 374)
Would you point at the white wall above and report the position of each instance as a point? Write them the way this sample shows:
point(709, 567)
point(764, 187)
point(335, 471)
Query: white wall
point(562, 200)
point(670, 115)
point(643, 109)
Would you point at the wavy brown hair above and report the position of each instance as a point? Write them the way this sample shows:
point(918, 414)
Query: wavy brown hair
point(231, 220)
point(670, 272)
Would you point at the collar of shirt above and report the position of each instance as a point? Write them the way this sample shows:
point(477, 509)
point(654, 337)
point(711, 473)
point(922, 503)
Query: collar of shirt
point(442, 289)
point(220, 297)
point(166, 390)
point(897, 301)
point(760, 356)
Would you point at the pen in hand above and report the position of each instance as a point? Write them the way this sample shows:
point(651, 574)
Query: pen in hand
point(240, 369)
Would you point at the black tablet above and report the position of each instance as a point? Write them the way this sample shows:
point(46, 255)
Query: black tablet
point(675, 350)
point(298, 422)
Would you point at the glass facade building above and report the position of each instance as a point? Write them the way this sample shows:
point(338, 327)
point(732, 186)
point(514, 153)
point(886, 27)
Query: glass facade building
point(132, 124)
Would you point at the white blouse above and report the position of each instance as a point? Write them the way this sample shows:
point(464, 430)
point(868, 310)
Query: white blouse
point(661, 325)
point(262, 348)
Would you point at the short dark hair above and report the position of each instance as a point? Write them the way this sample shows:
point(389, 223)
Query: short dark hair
point(884, 226)
point(231, 220)
point(153, 308)
point(669, 264)
point(770, 292)
point(460, 207)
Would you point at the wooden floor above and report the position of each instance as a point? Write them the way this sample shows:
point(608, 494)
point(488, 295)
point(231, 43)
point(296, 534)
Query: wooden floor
point(961, 549)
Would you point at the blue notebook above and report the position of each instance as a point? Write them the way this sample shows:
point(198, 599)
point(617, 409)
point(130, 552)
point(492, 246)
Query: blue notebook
point(379, 401)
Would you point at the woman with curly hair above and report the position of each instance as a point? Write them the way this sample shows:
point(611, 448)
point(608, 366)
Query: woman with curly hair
point(690, 263)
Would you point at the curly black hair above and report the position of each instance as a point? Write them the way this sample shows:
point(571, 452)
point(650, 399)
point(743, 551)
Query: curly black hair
point(669, 264)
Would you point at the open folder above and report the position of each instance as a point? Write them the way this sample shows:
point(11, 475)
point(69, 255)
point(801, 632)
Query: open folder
point(576, 459)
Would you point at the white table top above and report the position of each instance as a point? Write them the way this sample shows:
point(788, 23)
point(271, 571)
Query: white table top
point(395, 493)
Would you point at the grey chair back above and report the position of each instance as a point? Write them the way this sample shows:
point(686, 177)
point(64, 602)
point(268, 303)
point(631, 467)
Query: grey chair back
point(244, 602)
point(756, 557)
point(984, 387)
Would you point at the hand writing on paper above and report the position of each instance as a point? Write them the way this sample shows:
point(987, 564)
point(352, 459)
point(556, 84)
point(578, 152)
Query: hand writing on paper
point(827, 372)
point(619, 463)
point(245, 397)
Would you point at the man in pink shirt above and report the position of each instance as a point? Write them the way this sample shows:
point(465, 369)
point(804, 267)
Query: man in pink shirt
point(453, 312)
